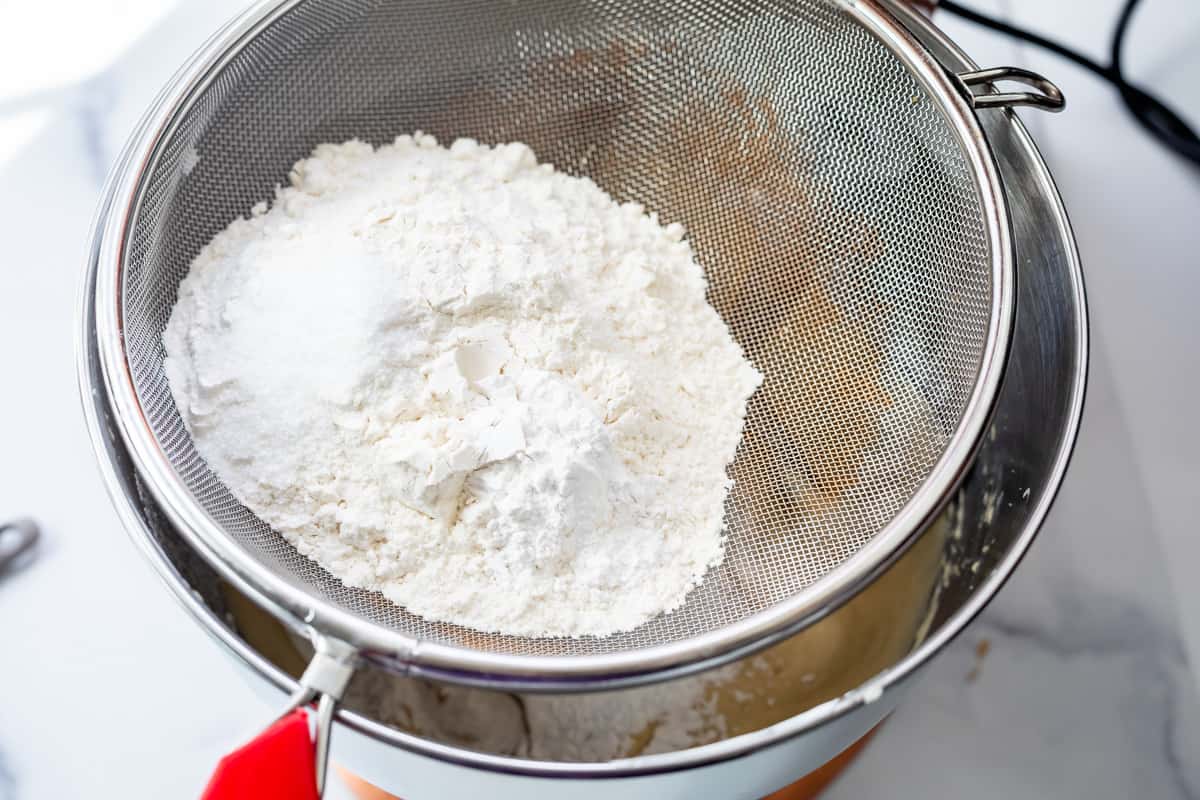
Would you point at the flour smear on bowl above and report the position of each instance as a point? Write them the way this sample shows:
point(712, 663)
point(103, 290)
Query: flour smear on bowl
point(470, 382)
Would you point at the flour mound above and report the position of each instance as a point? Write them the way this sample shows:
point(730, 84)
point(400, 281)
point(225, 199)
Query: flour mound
point(470, 382)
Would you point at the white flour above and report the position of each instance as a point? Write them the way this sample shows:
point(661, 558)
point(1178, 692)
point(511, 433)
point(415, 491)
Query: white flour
point(470, 382)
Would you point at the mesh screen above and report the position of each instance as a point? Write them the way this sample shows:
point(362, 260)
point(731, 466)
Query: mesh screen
point(824, 191)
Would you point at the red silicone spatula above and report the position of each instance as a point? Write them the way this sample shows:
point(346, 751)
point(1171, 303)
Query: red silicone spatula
point(279, 764)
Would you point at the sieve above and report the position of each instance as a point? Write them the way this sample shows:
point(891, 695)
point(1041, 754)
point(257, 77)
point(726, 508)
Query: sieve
point(835, 186)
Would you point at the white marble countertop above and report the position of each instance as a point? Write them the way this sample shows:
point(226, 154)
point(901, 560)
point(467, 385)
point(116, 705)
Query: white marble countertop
point(108, 690)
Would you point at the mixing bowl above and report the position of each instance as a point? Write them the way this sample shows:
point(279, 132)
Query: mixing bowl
point(994, 517)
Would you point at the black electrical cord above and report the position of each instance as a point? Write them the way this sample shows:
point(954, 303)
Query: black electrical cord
point(1150, 112)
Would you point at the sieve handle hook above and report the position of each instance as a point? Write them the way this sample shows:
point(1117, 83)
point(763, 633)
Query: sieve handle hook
point(1047, 96)
point(287, 760)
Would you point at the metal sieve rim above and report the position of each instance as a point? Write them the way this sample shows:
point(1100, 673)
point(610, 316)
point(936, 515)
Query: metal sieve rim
point(463, 665)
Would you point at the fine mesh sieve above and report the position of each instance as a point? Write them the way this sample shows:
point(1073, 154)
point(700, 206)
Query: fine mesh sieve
point(834, 186)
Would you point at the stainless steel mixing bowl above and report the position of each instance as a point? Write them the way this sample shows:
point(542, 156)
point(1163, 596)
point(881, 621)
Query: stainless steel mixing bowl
point(1002, 503)
point(1022, 460)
